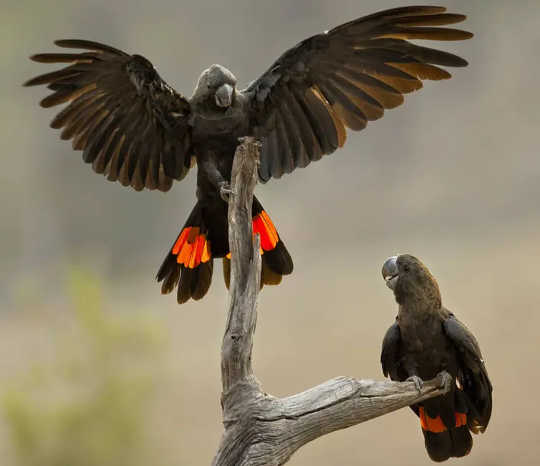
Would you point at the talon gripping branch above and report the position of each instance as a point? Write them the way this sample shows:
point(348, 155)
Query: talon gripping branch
point(425, 340)
point(136, 129)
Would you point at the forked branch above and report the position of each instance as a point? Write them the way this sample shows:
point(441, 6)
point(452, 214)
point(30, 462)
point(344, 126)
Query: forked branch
point(261, 429)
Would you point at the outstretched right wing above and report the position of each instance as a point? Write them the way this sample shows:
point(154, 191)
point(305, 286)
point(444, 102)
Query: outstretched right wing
point(344, 78)
point(131, 125)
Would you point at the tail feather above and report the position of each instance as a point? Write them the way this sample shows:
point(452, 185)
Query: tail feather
point(443, 441)
point(438, 445)
point(227, 272)
point(169, 274)
point(462, 441)
point(268, 276)
point(189, 263)
point(275, 256)
point(194, 282)
point(276, 260)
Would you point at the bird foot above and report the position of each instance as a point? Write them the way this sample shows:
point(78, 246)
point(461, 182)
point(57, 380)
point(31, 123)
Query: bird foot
point(225, 190)
point(446, 380)
point(418, 382)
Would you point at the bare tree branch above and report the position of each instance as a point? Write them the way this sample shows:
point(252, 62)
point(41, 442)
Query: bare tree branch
point(245, 269)
point(261, 429)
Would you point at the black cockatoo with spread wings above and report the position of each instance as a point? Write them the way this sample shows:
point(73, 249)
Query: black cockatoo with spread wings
point(136, 129)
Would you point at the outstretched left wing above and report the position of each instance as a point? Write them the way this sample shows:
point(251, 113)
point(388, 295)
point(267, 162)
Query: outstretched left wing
point(473, 377)
point(131, 125)
point(343, 78)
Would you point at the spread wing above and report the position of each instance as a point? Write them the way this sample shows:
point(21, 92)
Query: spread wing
point(342, 79)
point(473, 376)
point(130, 125)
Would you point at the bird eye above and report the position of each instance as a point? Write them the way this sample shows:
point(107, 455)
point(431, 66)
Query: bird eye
point(406, 268)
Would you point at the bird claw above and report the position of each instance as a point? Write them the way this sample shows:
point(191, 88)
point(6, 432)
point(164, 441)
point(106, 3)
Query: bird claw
point(418, 382)
point(446, 381)
point(225, 191)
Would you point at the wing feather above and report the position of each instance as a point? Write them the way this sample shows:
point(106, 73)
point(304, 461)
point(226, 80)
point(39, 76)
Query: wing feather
point(473, 376)
point(345, 78)
point(130, 124)
point(390, 353)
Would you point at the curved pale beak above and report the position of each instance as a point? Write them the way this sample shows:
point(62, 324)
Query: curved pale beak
point(390, 272)
point(224, 96)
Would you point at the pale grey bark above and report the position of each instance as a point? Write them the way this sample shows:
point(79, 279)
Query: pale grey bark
point(261, 429)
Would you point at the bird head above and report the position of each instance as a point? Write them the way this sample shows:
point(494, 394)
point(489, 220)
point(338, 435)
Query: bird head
point(218, 84)
point(410, 279)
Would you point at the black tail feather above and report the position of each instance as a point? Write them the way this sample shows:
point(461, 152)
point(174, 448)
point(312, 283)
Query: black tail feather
point(438, 445)
point(268, 275)
point(462, 441)
point(456, 442)
point(278, 259)
point(192, 272)
point(194, 283)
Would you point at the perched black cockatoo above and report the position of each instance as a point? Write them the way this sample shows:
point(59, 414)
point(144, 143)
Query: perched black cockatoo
point(425, 340)
point(133, 127)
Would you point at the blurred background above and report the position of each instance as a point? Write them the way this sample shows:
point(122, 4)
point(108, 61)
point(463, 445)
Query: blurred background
point(97, 368)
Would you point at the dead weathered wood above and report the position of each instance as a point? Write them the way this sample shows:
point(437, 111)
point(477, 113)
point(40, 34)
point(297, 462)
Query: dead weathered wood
point(245, 270)
point(261, 429)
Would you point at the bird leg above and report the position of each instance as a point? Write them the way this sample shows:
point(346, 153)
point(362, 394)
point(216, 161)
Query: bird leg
point(446, 380)
point(418, 382)
point(209, 165)
point(225, 190)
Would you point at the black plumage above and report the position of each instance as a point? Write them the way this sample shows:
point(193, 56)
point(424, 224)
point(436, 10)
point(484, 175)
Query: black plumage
point(426, 339)
point(136, 129)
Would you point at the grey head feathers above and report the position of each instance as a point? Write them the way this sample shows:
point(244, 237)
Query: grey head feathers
point(211, 81)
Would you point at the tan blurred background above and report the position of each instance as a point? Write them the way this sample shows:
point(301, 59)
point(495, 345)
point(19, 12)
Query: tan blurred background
point(452, 176)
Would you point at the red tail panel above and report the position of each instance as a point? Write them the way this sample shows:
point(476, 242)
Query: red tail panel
point(267, 231)
point(435, 424)
point(191, 248)
point(263, 226)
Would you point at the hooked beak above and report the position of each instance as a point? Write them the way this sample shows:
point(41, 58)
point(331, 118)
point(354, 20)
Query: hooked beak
point(390, 272)
point(224, 96)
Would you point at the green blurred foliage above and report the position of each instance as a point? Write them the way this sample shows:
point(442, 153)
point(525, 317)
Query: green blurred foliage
point(89, 406)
